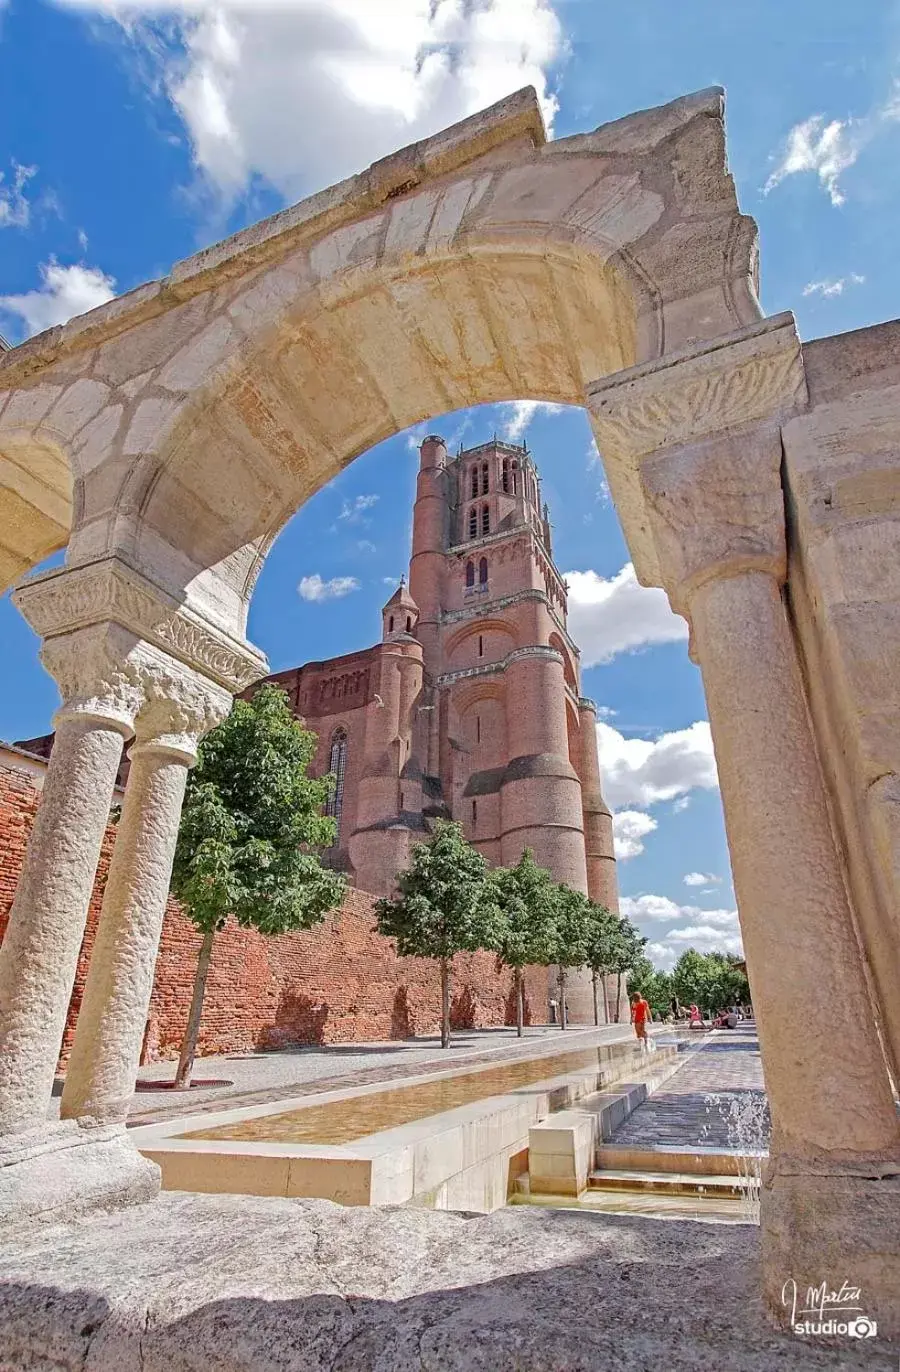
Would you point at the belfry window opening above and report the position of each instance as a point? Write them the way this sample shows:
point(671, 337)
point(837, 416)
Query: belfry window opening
point(504, 475)
point(485, 478)
point(485, 520)
point(474, 481)
point(337, 764)
point(473, 522)
point(483, 572)
point(470, 573)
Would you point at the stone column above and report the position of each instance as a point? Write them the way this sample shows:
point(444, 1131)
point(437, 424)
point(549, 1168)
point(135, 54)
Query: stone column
point(711, 531)
point(39, 954)
point(181, 708)
point(121, 649)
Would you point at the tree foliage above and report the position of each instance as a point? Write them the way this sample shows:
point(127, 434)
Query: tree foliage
point(440, 907)
point(523, 898)
point(251, 822)
point(710, 980)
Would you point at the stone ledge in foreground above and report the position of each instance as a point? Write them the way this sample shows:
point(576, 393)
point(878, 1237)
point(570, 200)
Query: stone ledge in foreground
point(201, 1283)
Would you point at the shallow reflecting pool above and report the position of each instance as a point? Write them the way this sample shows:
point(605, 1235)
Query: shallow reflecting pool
point(345, 1120)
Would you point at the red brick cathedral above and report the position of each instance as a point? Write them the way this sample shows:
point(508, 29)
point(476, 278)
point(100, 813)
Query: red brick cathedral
point(470, 706)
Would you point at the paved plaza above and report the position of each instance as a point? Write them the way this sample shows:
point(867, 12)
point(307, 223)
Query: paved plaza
point(696, 1107)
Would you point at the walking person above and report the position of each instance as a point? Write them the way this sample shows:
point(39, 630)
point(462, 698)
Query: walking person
point(641, 1015)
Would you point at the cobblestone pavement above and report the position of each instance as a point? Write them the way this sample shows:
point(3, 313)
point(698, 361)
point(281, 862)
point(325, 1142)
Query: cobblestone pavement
point(715, 1100)
point(261, 1078)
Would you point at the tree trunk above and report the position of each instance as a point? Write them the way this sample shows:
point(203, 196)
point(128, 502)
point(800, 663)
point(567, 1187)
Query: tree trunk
point(192, 1032)
point(618, 995)
point(445, 1002)
point(605, 996)
point(594, 988)
point(563, 1014)
point(520, 1001)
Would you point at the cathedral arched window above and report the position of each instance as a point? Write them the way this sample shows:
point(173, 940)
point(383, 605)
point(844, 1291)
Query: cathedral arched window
point(515, 477)
point(485, 520)
point(474, 481)
point(337, 764)
point(485, 478)
point(482, 572)
point(473, 522)
point(470, 573)
point(504, 474)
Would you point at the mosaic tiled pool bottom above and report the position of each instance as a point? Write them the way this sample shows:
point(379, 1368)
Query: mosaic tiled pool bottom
point(346, 1120)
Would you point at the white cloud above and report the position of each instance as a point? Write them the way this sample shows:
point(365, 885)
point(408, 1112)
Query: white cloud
point(833, 287)
point(15, 208)
point(352, 511)
point(518, 414)
point(630, 828)
point(617, 615)
point(638, 772)
point(701, 879)
point(66, 291)
point(315, 589)
point(304, 92)
point(671, 928)
point(826, 149)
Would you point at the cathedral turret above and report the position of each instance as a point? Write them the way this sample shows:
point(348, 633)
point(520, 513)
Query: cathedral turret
point(400, 615)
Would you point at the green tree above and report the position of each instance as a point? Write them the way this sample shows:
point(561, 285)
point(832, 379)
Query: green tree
point(654, 985)
point(602, 936)
point(440, 908)
point(711, 980)
point(572, 921)
point(628, 947)
point(251, 822)
point(523, 897)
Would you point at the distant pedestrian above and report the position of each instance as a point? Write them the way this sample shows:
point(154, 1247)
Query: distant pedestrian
point(641, 1015)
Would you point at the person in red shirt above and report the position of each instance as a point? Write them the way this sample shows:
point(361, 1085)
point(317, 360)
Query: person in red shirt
point(641, 1015)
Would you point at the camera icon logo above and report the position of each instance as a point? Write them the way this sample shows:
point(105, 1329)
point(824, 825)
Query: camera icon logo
point(862, 1328)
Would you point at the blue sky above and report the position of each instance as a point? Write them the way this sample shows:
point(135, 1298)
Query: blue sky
point(132, 134)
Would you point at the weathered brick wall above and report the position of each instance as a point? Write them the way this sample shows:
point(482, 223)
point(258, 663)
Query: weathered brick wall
point(340, 982)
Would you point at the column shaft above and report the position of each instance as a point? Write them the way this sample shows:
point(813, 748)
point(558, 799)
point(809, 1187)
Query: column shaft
point(821, 1055)
point(106, 1052)
point(39, 955)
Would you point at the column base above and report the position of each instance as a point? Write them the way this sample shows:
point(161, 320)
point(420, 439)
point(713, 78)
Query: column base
point(832, 1231)
point(56, 1173)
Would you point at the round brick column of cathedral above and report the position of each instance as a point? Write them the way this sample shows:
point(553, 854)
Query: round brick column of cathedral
point(600, 854)
point(540, 798)
point(106, 1050)
point(541, 792)
point(830, 1196)
point(39, 954)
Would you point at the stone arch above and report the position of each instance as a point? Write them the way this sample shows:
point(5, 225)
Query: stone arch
point(37, 498)
point(482, 265)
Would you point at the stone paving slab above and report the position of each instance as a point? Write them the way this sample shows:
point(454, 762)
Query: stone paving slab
point(254, 1284)
point(695, 1107)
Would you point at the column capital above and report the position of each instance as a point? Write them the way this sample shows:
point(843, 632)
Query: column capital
point(179, 708)
point(111, 593)
point(691, 445)
point(96, 680)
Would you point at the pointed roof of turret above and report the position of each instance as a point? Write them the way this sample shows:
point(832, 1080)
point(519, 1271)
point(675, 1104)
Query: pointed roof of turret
point(401, 599)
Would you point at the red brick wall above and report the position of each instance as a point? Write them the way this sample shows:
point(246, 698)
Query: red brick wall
point(340, 982)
